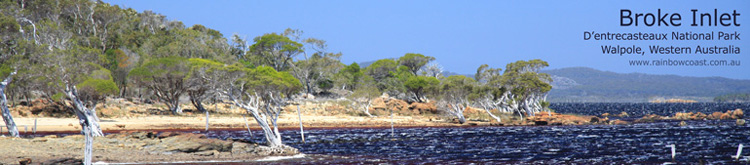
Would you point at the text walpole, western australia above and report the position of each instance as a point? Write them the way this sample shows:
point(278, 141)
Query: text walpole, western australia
point(657, 49)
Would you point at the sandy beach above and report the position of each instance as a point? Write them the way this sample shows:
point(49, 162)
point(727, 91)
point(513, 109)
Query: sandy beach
point(121, 147)
point(286, 121)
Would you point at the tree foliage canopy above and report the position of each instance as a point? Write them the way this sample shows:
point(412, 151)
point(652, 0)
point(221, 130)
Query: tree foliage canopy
point(350, 75)
point(166, 77)
point(382, 69)
point(418, 84)
point(168, 67)
point(414, 61)
point(457, 86)
point(274, 50)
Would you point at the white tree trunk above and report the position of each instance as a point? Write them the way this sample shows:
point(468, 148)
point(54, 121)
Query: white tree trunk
point(7, 117)
point(367, 109)
point(301, 128)
point(88, 120)
point(392, 130)
point(492, 115)
point(86, 117)
point(34, 28)
point(252, 106)
point(527, 108)
point(92, 116)
point(248, 127)
point(458, 110)
point(87, 152)
point(174, 106)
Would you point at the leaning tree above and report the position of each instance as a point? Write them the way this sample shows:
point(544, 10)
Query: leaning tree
point(455, 93)
point(261, 91)
point(414, 61)
point(7, 117)
point(528, 87)
point(84, 84)
point(520, 88)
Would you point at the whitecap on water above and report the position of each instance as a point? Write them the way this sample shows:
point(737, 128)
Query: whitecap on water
point(588, 136)
point(277, 158)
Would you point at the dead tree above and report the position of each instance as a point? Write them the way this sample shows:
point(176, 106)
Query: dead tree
point(456, 108)
point(87, 118)
point(86, 114)
point(9, 123)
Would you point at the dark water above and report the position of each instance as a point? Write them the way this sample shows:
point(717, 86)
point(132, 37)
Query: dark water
point(709, 141)
point(641, 109)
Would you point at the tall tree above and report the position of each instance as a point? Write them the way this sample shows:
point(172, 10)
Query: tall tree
point(239, 47)
point(106, 19)
point(198, 81)
point(120, 62)
point(384, 72)
point(349, 76)
point(414, 61)
point(317, 71)
point(166, 78)
point(274, 50)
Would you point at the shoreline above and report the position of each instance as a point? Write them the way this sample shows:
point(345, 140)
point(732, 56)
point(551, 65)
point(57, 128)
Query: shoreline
point(148, 144)
point(258, 160)
point(48, 125)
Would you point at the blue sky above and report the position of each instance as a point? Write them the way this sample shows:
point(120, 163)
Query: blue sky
point(462, 35)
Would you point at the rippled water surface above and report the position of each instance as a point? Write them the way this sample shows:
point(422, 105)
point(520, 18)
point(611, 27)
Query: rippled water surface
point(709, 141)
point(641, 109)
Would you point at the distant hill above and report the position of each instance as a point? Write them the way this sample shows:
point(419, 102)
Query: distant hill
point(364, 64)
point(580, 84)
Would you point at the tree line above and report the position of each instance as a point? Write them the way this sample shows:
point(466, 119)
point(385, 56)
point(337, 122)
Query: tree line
point(733, 98)
point(79, 52)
